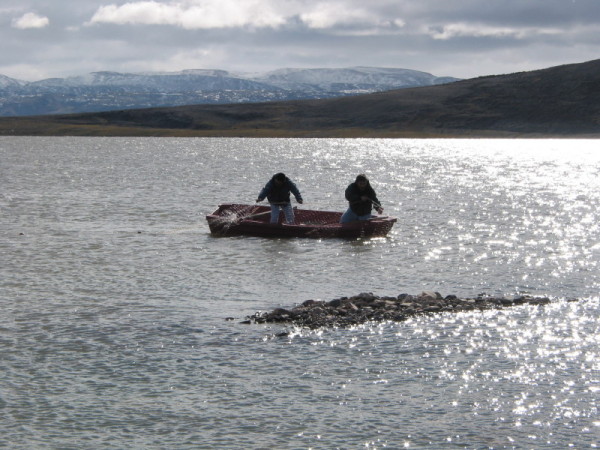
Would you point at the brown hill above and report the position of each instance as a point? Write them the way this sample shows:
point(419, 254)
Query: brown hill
point(559, 101)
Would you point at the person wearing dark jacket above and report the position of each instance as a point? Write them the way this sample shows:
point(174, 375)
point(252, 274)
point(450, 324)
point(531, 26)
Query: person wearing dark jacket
point(361, 199)
point(277, 191)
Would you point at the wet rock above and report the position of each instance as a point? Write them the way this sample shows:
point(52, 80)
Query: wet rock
point(309, 302)
point(539, 301)
point(280, 315)
point(335, 303)
point(367, 296)
point(364, 307)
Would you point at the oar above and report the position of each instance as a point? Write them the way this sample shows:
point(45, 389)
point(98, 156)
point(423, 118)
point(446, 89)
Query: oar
point(252, 214)
point(376, 205)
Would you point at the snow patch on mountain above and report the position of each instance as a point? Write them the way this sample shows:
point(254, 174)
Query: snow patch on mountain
point(105, 90)
point(6, 82)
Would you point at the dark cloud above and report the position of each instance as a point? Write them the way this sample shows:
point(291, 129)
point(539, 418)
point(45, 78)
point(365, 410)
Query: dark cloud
point(462, 38)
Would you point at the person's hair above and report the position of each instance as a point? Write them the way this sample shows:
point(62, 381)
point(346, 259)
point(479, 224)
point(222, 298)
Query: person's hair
point(279, 177)
point(361, 177)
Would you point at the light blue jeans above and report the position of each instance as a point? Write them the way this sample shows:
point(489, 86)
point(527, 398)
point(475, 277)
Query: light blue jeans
point(288, 211)
point(351, 216)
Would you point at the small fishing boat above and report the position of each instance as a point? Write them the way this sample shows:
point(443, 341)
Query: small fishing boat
point(232, 219)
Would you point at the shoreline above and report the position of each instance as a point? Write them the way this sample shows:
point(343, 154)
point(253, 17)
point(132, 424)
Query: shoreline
point(38, 128)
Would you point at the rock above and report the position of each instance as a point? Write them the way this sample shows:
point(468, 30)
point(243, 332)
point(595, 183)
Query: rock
point(428, 295)
point(348, 311)
point(335, 303)
point(366, 296)
point(309, 302)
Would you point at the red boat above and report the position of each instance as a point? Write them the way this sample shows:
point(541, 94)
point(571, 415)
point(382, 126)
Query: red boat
point(232, 219)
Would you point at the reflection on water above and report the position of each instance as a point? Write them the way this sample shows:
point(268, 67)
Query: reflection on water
point(114, 296)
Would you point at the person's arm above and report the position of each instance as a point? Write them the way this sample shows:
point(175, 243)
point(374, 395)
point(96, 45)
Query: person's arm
point(294, 190)
point(352, 195)
point(376, 203)
point(264, 192)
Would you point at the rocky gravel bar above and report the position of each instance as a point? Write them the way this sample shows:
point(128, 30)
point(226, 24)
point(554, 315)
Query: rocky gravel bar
point(349, 311)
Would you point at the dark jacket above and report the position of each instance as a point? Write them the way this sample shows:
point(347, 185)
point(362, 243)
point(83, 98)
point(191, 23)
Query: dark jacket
point(358, 206)
point(280, 194)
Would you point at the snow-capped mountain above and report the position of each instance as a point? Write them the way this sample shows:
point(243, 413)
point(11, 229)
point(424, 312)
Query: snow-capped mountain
point(188, 80)
point(105, 91)
point(6, 82)
point(351, 80)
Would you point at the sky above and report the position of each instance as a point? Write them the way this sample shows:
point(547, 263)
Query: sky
point(461, 38)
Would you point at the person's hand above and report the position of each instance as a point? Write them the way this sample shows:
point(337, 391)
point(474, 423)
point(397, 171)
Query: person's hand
point(379, 210)
point(258, 200)
point(300, 201)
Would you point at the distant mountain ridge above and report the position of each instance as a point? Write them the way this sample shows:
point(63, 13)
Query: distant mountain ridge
point(107, 91)
point(561, 101)
point(6, 82)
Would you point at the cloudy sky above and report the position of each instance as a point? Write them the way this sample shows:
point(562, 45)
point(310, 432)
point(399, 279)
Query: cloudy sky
point(462, 38)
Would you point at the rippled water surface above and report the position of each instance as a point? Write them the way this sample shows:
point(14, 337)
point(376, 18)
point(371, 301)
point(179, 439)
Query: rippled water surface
point(114, 296)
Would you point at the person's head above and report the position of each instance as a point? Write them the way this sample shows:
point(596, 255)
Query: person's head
point(279, 178)
point(362, 181)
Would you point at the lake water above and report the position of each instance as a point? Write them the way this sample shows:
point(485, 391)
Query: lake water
point(114, 296)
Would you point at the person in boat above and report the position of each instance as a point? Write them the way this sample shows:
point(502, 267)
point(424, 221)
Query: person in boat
point(361, 200)
point(277, 191)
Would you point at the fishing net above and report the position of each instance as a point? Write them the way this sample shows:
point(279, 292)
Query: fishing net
point(232, 214)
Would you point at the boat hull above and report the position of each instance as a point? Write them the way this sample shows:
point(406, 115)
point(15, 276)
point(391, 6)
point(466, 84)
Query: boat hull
point(232, 219)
